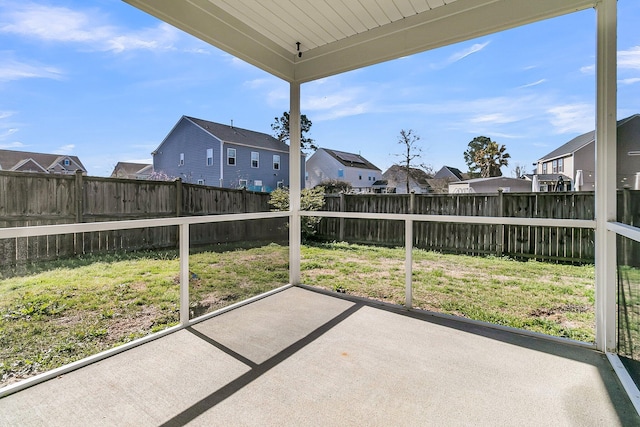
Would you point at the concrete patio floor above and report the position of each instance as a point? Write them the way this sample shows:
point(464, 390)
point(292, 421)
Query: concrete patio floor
point(301, 357)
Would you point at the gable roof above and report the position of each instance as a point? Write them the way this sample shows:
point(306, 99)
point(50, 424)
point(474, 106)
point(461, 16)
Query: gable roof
point(351, 160)
point(236, 135)
point(14, 160)
point(132, 169)
point(582, 140)
point(448, 170)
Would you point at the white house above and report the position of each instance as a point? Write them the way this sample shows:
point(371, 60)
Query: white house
point(326, 164)
point(491, 185)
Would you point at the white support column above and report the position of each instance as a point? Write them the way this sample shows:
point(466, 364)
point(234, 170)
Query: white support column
point(408, 263)
point(605, 197)
point(184, 273)
point(294, 184)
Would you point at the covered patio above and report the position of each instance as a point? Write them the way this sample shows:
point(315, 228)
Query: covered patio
point(298, 356)
point(302, 357)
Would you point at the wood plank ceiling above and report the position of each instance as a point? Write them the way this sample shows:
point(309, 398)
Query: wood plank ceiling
point(341, 35)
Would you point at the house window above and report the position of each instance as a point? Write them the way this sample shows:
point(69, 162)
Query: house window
point(257, 183)
point(242, 183)
point(231, 156)
point(560, 165)
point(276, 162)
point(209, 156)
point(255, 159)
point(280, 184)
point(554, 166)
point(181, 162)
point(66, 162)
point(306, 176)
point(201, 181)
point(340, 173)
point(544, 168)
point(360, 177)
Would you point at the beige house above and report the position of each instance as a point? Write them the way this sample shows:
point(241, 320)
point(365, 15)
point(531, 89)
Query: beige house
point(572, 166)
point(131, 170)
point(24, 161)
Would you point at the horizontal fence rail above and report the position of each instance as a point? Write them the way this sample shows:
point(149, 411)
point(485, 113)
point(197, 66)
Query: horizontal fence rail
point(503, 224)
point(32, 199)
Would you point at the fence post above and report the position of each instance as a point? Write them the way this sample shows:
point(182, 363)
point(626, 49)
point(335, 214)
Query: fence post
point(500, 231)
point(179, 197)
point(412, 202)
point(183, 231)
point(79, 196)
point(341, 221)
point(408, 263)
point(626, 219)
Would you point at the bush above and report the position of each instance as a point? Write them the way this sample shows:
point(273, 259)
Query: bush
point(312, 199)
point(333, 186)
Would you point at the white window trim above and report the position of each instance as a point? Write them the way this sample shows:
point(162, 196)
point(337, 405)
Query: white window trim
point(257, 159)
point(276, 163)
point(209, 161)
point(234, 157)
point(181, 161)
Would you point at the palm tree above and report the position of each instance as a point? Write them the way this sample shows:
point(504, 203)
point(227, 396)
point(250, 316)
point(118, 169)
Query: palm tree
point(491, 158)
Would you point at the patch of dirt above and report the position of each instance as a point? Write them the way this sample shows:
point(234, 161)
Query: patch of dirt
point(140, 322)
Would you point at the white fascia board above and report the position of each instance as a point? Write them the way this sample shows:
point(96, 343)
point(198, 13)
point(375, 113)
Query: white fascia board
point(459, 21)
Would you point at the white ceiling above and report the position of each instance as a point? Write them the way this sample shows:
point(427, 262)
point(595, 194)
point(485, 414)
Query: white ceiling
point(341, 35)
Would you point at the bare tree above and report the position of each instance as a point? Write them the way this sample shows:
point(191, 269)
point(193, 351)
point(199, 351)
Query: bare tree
point(412, 151)
point(518, 170)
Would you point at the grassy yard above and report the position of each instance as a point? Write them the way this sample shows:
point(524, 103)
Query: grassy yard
point(70, 309)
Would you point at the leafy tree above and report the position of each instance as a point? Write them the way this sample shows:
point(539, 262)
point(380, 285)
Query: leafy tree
point(332, 186)
point(311, 199)
point(518, 170)
point(161, 176)
point(411, 151)
point(281, 131)
point(485, 157)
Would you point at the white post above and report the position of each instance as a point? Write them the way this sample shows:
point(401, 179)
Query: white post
point(294, 184)
point(605, 192)
point(408, 263)
point(184, 274)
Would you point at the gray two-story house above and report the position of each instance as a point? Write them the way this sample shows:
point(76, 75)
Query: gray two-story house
point(208, 153)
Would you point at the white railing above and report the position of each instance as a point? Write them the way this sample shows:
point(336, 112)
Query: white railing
point(183, 224)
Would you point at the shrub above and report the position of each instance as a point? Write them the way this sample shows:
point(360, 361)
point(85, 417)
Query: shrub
point(312, 199)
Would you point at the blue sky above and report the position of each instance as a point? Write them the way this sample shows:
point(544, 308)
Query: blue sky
point(106, 82)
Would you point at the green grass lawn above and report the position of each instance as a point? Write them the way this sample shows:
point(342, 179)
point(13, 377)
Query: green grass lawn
point(67, 310)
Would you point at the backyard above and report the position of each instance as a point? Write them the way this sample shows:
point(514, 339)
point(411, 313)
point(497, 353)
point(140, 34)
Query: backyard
point(58, 312)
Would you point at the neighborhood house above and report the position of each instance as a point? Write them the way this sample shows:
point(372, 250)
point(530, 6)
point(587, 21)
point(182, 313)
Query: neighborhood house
point(572, 166)
point(23, 161)
point(129, 170)
point(326, 164)
point(208, 153)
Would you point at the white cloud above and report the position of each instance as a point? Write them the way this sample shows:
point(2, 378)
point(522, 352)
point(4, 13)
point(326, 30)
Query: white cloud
point(629, 81)
point(494, 118)
point(570, 118)
point(629, 58)
point(588, 69)
point(65, 149)
point(86, 28)
point(12, 145)
point(8, 133)
point(6, 114)
point(457, 56)
point(536, 83)
point(11, 69)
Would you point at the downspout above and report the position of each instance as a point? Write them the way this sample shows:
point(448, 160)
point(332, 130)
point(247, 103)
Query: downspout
point(221, 164)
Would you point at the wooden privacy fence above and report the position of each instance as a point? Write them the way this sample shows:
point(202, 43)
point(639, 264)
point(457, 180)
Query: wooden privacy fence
point(45, 199)
point(517, 241)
